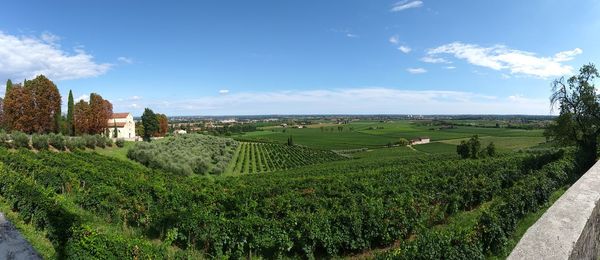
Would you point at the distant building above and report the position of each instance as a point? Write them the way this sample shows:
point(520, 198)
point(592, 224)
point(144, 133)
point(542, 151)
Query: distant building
point(228, 121)
point(124, 124)
point(180, 132)
point(420, 140)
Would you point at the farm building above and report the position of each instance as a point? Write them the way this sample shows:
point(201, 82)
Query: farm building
point(420, 140)
point(180, 132)
point(124, 124)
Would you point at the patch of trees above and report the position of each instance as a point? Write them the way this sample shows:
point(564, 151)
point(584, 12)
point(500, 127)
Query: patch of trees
point(578, 122)
point(472, 149)
point(92, 117)
point(153, 125)
point(33, 107)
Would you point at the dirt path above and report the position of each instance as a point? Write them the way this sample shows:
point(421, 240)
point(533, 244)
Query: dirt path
point(12, 244)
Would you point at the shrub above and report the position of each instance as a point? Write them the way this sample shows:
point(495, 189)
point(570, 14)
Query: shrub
point(4, 140)
point(120, 142)
point(39, 142)
point(57, 141)
point(70, 144)
point(100, 141)
point(109, 142)
point(20, 140)
point(90, 141)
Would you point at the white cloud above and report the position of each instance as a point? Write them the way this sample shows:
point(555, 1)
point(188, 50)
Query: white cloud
point(135, 98)
point(430, 59)
point(224, 91)
point(374, 100)
point(125, 60)
point(449, 67)
point(416, 70)
point(28, 56)
point(394, 39)
point(404, 49)
point(500, 57)
point(406, 4)
point(351, 35)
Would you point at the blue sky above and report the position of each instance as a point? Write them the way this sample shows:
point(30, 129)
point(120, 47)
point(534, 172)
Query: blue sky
point(303, 57)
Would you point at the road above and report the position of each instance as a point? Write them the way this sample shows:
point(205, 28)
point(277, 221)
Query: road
point(12, 244)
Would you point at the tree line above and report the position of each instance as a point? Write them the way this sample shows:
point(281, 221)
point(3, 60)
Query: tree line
point(34, 107)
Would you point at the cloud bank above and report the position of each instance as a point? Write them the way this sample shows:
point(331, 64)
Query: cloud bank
point(375, 100)
point(28, 56)
point(406, 4)
point(500, 57)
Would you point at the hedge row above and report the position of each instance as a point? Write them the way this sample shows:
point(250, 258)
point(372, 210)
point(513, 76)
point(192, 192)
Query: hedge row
point(57, 141)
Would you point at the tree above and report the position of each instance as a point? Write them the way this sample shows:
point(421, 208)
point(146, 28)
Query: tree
point(290, 141)
point(9, 85)
point(463, 149)
point(81, 121)
point(46, 104)
point(578, 122)
point(490, 149)
point(163, 124)
point(70, 107)
point(150, 124)
point(100, 112)
point(474, 147)
point(403, 142)
point(18, 105)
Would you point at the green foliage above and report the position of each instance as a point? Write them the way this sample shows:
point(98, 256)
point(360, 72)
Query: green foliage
point(120, 142)
point(186, 154)
point(57, 141)
point(90, 141)
point(5, 140)
point(579, 119)
point(150, 123)
point(39, 142)
point(9, 85)
point(70, 110)
point(290, 141)
point(20, 139)
point(490, 149)
point(472, 148)
point(403, 142)
point(100, 141)
point(74, 143)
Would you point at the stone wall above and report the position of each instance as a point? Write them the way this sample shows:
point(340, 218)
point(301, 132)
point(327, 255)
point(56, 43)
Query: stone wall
point(570, 228)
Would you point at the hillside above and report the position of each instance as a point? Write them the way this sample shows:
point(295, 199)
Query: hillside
point(89, 204)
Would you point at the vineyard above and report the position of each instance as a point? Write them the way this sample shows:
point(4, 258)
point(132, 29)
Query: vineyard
point(265, 157)
point(89, 205)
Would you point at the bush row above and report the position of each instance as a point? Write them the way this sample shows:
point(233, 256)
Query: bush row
point(57, 141)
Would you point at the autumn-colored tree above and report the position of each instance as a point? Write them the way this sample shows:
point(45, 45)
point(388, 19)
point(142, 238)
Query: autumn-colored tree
point(81, 122)
point(18, 107)
point(163, 125)
point(92, 117)
point(45, 109)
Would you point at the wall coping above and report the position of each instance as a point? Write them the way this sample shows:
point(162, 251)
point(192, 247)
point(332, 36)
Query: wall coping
point(569, 228)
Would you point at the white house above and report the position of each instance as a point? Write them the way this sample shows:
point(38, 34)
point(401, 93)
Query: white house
point(180, 132)
point(124, 124)
point(420, 140)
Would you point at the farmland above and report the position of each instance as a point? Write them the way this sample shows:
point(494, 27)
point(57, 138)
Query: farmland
point(375, 134)
point(267, 157)
point(265, 198)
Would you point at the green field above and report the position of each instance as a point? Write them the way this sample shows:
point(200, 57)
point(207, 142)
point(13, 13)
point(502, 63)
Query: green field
point(375, 134)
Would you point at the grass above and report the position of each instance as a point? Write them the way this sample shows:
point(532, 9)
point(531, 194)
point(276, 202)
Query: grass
point(386, 152)
point(436, 147)
point(504, 143)
point(116, 152)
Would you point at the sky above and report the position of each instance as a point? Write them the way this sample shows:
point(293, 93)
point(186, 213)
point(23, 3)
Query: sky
point(303, 57)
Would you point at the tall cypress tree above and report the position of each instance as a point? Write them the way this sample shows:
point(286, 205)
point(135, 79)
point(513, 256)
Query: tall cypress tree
point(8, 86)
point(70, 106)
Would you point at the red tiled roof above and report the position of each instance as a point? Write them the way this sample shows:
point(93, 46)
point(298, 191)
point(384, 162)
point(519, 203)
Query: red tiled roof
point(119, 115)
point(118, 124)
